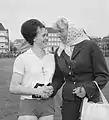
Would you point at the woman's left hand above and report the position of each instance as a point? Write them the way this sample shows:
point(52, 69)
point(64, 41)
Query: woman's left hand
point(79, 91)
point(47, 92)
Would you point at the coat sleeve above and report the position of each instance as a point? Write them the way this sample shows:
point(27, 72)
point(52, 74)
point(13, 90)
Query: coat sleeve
point(100, 72)
point(58, 78)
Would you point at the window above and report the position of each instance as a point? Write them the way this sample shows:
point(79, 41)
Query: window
point(3, 45)
point(49, 39)
point(55, 34)
point(49, 34)
point(54, 39)
point(59, 39)
point(3, 39)
point(3, 33)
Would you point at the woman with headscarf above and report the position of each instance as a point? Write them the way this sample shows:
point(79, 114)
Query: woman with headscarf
point(79, 62)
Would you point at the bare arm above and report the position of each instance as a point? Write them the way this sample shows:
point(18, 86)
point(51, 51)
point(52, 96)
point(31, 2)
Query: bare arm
point(16, 86)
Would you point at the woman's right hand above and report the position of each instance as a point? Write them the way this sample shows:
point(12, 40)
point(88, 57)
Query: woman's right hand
point(79, 91)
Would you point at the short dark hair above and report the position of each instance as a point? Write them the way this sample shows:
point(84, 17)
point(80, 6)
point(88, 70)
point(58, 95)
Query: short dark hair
point(29, 29)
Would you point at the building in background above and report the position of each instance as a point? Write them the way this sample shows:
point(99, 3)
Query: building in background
point(103, 44)
point(53, 40)
point(4, 40)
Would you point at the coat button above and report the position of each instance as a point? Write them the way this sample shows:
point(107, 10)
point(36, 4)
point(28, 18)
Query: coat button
point(91, 96)
point(69, 67)
point(70, 73)
point(74, 82)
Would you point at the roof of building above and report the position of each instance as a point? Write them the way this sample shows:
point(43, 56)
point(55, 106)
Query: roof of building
point(51, 30)
point(1, 27)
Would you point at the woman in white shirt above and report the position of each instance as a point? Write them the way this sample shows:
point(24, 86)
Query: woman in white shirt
point(32, 73)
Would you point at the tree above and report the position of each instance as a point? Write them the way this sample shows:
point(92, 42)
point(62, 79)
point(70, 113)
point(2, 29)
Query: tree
point(13, 49)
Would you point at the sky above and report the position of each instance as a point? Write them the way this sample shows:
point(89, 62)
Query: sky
point(91, 15)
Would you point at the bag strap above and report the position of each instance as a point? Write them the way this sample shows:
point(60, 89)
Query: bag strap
point(101, 94)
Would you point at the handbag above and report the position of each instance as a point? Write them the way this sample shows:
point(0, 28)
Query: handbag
point(95, 111)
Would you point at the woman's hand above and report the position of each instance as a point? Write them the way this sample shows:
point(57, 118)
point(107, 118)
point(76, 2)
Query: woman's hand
point(79, 91)
point(48, 91)
point(44, 91)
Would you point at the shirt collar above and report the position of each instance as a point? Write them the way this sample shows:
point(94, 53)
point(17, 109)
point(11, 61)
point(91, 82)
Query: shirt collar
point(66, 48)
point(61, 48)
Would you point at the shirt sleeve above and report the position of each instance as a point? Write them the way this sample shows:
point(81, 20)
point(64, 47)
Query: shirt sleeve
point(18, 66)
point(100, 72)
point(58, 78)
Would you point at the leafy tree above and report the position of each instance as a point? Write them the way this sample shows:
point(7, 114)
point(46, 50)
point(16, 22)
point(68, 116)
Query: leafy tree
point(13, 48)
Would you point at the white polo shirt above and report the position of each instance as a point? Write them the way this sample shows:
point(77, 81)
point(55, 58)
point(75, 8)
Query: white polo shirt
point(34, 70)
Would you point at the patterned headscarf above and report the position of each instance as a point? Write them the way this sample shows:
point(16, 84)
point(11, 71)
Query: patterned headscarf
point(74, 37)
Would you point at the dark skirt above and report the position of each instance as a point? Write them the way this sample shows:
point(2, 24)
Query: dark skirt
point(71, 110)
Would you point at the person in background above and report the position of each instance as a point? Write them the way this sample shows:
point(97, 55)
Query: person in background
point(32, 74)
point(79, 62)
